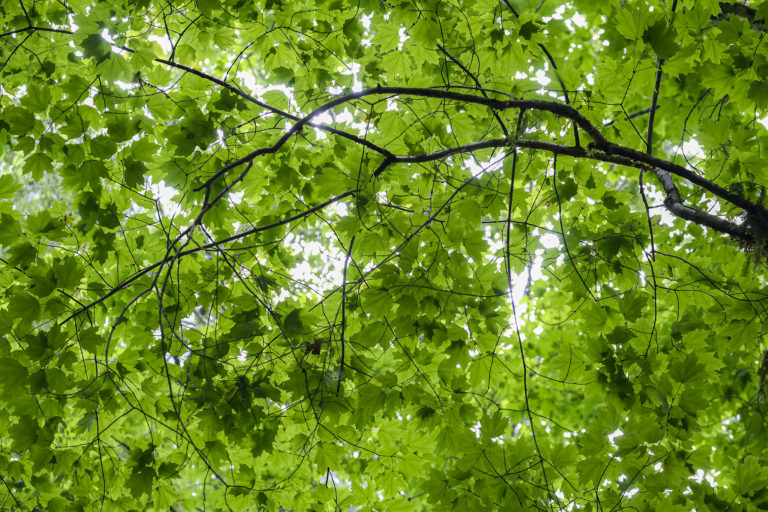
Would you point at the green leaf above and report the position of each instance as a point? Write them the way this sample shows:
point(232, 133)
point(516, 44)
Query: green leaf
point(17, 120)
point(14, 374)
point(68, 273)
point(134, 173)
point(103, 147)
point(95, 46)
point(686, 370)
point(141, 481)
point(37, 164)
point(91, 172)
point(10, 230)
point(568, 188)
point(758, 92)
point(92, 341)
point(528, 29)
point(24, 433)
point(38, 98)
point(631, 23)
point(494, 426)
point(8, 186)
point(713, 133)
point(661, 36)
point(387, 36)
point(114, 67)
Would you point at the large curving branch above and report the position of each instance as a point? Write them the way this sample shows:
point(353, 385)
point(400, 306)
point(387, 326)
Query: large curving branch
point(553, 107)
point(600, 149)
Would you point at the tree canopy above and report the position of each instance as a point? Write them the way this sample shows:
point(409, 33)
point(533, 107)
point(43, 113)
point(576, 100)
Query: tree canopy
point(383, 255)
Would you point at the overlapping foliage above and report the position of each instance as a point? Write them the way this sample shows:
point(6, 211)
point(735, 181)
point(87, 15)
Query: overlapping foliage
point(383, 255)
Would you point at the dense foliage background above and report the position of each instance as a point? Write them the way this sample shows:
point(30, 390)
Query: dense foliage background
point(383, 255)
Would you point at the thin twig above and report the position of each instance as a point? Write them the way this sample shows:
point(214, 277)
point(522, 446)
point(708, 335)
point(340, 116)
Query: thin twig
point(344, 312)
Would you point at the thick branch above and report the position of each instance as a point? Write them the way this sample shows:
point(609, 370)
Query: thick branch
point(610, 150)
point(674, 204)
point(665, 165)
point(556, 108)
point(673, 200)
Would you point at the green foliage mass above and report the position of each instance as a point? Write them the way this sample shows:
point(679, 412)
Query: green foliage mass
point(383, 255)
